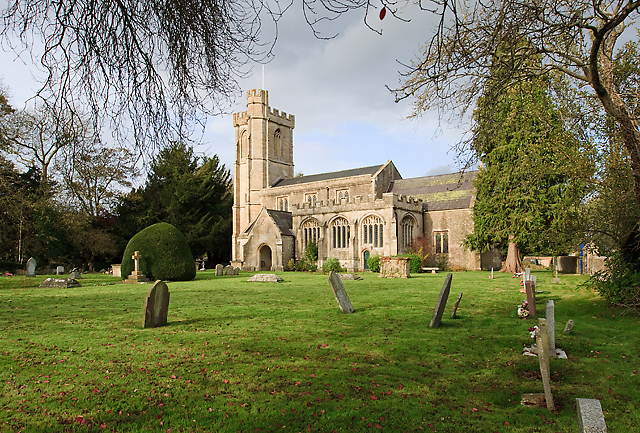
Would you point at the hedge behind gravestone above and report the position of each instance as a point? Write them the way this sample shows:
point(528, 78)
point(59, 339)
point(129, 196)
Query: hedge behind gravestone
point(165, 254)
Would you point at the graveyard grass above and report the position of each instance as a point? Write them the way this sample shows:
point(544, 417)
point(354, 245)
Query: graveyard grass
point(239, 356)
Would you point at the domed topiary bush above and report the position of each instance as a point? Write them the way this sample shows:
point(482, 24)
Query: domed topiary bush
point(164, 254)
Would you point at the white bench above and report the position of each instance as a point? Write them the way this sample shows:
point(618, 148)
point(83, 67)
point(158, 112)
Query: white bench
point(433, 270)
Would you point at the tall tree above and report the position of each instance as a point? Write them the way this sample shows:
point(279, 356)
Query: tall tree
point(532, 176)
point(192, 193)
point(575, 38)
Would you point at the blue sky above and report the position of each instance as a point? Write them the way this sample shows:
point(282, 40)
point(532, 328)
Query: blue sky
point(345, 116)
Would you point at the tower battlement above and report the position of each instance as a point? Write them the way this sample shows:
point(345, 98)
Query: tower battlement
point(240, 119)
point(281, 117)
point(258, 96)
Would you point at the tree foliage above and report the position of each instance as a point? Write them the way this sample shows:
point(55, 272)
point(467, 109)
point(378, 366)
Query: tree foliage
point(575, 38)
point(532, 177)
point(192, 193)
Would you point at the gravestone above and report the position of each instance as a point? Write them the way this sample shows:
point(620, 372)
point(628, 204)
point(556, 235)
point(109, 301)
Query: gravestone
point(228, 270)
point(531, 298)
point(556, 280)
point(236, 271)
point(534, 281)
point(60, 270)
point(340, 293)
point(31, 267)
point(568, 327)
point(455, 307)
point(63, 283)
point(441, 303)
point(527, 274)
point(551, 326)
point(542, 341)
point(265, 278)
point(219, 270)
point(116, 270)
point(75, 274)
point(350, 277)
point(156, 305)
point(590, 416)
point(136, 275)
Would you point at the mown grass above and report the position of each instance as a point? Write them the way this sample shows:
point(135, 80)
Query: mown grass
point(239, 356)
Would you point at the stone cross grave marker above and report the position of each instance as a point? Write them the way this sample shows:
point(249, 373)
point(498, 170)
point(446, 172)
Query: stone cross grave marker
point(590, 416)
point(219, 270)
point(556, 280)
point(340, 293)
point(136, 276)
point(441, 303)
point(531, 298)
point(31, 267)
point(568, 327)
point(455, 307)
point(551, 326)
point(156, 305)
point(542, 341)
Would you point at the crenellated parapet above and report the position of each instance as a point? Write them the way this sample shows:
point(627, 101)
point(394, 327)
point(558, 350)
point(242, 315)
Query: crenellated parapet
point(240, 119)
point(281, 118)
point(356, 203)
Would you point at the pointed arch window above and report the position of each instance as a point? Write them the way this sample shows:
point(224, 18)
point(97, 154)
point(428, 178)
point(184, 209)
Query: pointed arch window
point(277, 143)
point(372, 233)
point(283, 203)
point(407, 225)
point(310, 232)
point(341, 232)
point(244, 144)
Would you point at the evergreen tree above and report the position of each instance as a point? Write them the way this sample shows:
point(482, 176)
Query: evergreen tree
point(191, 193)
point(529, 185)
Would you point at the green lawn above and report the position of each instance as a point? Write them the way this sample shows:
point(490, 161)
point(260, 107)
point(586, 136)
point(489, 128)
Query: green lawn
point(239, 356)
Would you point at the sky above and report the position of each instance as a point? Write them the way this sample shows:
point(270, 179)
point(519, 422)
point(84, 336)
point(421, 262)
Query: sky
point(345, 116)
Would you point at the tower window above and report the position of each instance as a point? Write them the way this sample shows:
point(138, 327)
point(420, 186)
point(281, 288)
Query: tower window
point(283, 204)
point(311, 198)
point(342, 194)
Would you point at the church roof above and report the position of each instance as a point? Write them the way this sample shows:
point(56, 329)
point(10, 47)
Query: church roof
point(283, 221)
point(329, 176)
point(441, 192)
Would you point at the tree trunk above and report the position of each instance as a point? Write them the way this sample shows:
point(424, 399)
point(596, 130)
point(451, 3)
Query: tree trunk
point(513, 262)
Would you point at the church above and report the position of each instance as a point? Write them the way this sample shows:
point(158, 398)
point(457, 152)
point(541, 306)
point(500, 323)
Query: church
point(350, 214)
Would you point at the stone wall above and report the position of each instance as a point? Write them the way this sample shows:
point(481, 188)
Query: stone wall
point(457, 223)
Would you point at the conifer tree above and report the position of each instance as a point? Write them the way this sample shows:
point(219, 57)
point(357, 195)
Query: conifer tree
point(529, 184)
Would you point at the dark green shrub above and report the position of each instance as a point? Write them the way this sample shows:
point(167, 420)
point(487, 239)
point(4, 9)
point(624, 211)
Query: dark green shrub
point(415, 264)
point(332, 264)
point(374, 263)
point(303, 266)
point(619, 284)
point(165, 254)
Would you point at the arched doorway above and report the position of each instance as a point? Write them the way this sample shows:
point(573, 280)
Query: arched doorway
point(366, 259)
point(265, 258)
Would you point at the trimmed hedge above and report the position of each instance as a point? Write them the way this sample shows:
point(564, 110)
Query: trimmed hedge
point(165, 254)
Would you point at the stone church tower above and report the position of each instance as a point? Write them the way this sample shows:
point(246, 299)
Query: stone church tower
point(264, 156)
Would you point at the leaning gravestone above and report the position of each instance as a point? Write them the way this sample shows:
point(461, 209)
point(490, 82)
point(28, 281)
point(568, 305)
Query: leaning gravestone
point(340, 293)
point(31, 267)
point(441, 303)
point(542, 341)
point(590, 416)
point(219, 270)
point(156, 305)
point(455, 307)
